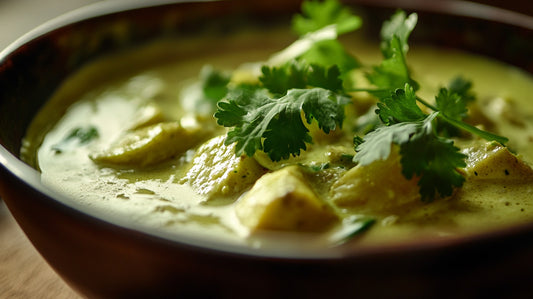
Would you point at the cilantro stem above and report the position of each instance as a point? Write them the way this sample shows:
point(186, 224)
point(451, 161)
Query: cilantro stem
point(471, 129)
point(456, 123)
point(425, 103)
point(462, 125)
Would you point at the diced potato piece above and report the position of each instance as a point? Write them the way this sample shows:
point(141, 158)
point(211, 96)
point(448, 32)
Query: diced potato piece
point(282, 200)
point(491, 161)
point(215, 169)
point(150, 145)
point(379, 186)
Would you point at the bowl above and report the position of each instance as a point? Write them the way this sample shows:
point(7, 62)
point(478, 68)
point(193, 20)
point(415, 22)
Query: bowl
point(107, 257)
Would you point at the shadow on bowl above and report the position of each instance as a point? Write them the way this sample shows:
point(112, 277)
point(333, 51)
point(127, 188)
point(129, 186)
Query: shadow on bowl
point(111, 258)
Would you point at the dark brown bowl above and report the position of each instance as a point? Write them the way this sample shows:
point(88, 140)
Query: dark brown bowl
point(114, 258)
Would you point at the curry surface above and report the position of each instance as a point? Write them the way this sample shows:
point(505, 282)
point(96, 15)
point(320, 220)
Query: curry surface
point(109, 92)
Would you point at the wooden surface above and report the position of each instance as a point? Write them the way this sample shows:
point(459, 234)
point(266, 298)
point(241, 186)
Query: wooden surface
point(23, 272)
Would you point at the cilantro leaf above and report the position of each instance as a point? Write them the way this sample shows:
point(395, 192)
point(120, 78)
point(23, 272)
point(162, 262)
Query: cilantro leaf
point(319, 25)
point(276, 125)
point(330, 53)
point(376, 145)
point(77, 136)
point(392, 73)
point(452, 105)
point(432, 158)
point(316, 15)
point(214, 83)
point(463, 88)
point(327, 78)
point(280, 142)
point(399, 26)
point(203, 95)
point(278, 80)
point(453, 102)
point(400, 106)
point(231, 113)
point(296, 74)
point(435, 160)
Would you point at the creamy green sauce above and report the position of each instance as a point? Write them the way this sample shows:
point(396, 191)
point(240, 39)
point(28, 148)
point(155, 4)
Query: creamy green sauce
point(109, 93)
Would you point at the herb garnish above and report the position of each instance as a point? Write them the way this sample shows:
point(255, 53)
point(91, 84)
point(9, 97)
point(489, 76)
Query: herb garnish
point(77, 136)
point(275, 125)
point(268, 117)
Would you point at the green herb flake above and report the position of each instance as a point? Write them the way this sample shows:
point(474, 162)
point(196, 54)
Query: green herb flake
point(77, 136)
point(352, 227)
point(214, 83)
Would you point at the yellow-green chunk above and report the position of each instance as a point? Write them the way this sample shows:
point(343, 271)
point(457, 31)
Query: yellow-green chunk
point(216, 171)
point(492, 161)
point(150, 145)
point(379, 186)
point(282, 200)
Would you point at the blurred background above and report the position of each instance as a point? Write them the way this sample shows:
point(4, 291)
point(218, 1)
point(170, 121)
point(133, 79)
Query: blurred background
point(19, 16)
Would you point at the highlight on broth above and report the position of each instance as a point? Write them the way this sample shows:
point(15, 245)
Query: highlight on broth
point(330, 138)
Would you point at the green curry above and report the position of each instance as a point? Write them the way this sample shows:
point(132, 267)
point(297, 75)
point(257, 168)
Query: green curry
point(141, 143)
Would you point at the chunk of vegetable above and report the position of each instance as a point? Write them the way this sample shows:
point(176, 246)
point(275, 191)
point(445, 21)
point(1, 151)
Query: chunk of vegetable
point(150, 145)
point(282, 200)
point(379, 186)
point(492, 161)
point(215, 170)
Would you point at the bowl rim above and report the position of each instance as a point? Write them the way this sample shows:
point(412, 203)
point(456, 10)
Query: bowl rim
point(31, 177)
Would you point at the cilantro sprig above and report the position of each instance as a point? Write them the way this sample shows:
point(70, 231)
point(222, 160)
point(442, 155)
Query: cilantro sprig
point(393, 72)
point(425, 147)
point(308, 87)
point(319, 26)
point(275, 125)
point(425, 154)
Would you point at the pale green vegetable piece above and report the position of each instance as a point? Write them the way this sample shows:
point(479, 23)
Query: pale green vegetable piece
point(150, 145)
point(215, 170)
point(492, 161)
point(379, 186)
point(282, 200)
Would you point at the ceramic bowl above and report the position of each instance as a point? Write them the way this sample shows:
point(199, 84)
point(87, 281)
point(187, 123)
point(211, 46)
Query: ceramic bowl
point(105, 257)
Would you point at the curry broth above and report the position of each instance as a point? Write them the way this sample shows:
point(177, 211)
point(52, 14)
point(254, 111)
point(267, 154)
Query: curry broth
point(109, 92)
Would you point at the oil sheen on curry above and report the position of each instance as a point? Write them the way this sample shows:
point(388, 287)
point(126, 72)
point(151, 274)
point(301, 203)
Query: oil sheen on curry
point(134, 135)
